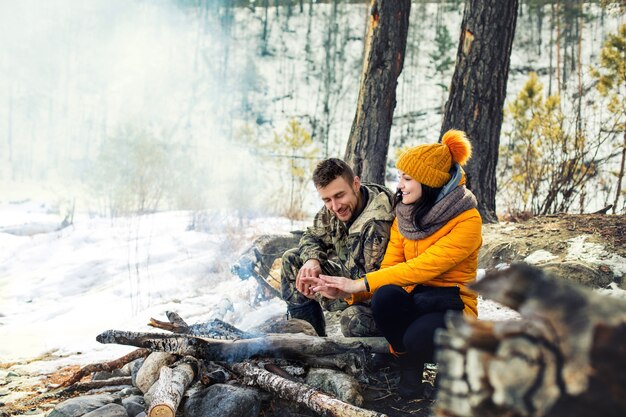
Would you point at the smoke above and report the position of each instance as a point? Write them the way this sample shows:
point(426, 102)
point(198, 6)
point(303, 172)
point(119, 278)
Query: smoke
point(73, 75)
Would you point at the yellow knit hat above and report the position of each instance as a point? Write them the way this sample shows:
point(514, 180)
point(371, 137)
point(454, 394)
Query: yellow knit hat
point(430, 164)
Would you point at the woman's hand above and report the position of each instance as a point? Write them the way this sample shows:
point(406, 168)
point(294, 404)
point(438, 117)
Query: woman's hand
point(317, 285)
point(341, 284)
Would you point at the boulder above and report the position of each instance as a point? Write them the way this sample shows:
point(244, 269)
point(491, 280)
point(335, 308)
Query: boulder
point(224, 401)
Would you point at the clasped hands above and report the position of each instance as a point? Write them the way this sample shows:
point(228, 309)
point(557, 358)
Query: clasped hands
point(310, 281)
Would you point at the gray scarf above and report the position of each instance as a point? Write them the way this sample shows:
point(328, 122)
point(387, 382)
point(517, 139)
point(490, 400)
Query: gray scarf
point(456, 202)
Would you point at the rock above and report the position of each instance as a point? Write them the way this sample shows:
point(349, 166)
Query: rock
point(224, 401)
point(588, 249)
point(579, 273)
point(78, 406)
point(216, 373)
point(149, 372)
point(134, 405)
point(135, 366)
point(343, 386)
point(109, 410)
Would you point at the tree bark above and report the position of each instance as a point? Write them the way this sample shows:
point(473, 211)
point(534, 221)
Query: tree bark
point(106, 366)
point(101, 383)
point(478, 91)
point(302, 394)
point(288, 346)
point(620, 177)
point(385, 47)
point(565, 357)
point(149, 372)
point(170, 387)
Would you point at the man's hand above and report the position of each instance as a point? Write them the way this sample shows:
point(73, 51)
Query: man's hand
point(310, 269)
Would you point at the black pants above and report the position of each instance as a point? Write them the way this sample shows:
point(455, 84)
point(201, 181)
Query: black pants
point(406, 326)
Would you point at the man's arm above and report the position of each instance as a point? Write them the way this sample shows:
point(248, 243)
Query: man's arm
point(317, 242)
point(376, 238)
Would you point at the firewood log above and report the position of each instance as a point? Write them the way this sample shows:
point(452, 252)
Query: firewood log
point(170, 388)
point(151, 368)
point(106, 366)
point(288, 346)
point(317, 401)
point(565, 357)
point(111, 382)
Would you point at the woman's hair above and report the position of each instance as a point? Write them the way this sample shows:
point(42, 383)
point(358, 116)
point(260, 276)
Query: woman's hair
point(422, 206)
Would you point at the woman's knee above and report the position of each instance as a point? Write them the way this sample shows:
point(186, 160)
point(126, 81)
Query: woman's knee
point(388, 296)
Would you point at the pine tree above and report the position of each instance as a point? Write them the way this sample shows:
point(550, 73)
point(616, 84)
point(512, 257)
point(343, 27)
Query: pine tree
point(611, 83)
point(297, 147)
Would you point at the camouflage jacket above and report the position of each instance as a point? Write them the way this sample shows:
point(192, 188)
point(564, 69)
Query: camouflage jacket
point(361, 248)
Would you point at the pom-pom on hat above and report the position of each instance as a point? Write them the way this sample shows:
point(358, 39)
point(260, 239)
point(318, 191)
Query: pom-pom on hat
point(430, 164)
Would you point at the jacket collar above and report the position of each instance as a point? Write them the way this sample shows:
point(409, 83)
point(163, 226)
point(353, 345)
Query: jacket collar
point(378, 207)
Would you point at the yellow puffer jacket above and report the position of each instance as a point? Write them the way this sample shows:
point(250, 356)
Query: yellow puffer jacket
point(448, 257)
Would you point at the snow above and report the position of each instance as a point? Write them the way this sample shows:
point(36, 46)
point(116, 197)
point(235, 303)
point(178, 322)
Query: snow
point(59, 290)
point(595, 254)
point(492, 311)
point(539, 256)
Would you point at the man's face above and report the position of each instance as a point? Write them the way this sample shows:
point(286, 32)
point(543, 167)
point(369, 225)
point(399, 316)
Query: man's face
point(341, 198)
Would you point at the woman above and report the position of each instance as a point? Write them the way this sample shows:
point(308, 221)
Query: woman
point(431, 258)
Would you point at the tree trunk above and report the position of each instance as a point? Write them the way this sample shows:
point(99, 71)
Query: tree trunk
point(565, 357)
point(317, 401)
point(478, 91)
point(620, 176)
point(385, 46)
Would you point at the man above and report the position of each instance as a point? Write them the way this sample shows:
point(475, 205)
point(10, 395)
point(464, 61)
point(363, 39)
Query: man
point(348, 238)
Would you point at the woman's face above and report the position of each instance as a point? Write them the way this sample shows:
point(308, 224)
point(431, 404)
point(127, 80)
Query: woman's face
point(411, 189)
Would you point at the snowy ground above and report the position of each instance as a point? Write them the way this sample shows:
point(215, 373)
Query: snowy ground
point(58, 290)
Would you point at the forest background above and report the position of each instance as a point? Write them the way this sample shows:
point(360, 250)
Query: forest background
point(118, 108)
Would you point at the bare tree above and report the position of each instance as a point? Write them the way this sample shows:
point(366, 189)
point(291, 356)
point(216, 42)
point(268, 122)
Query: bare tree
point(383, 60)
point(478, 91)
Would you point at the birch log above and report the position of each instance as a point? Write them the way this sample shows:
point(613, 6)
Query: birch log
point(565, 357)
point(170, 387)
point(149, 372)
point(288, 346)
point(317, 401)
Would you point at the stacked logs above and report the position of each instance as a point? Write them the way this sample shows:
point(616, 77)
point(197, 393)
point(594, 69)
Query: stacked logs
point(195, 353)
point(565, 357)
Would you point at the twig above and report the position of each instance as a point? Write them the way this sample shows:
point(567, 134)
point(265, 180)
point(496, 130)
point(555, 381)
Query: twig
point(106, 366)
